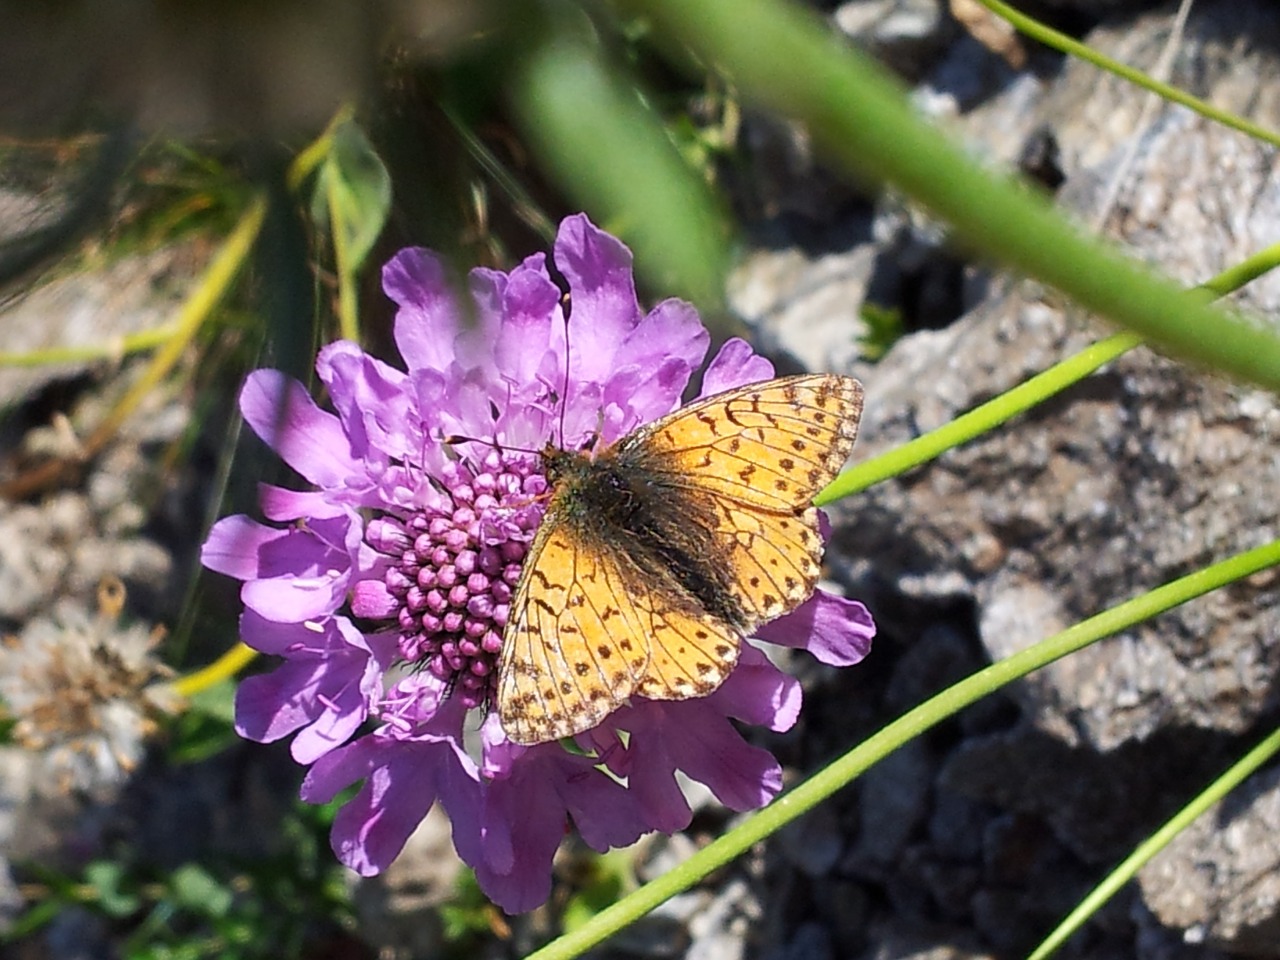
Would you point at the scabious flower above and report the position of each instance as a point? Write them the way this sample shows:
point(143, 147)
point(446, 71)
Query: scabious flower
point(388, 588)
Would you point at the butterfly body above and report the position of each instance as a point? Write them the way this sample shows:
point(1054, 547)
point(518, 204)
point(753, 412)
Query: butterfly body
point(658, 554)
point(665, 533)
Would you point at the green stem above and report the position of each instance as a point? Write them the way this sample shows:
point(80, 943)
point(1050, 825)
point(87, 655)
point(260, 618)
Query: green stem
point(128, 344)
point(1061, 42)
point(1026, 395)
point(827, 781)
point(1129, 868)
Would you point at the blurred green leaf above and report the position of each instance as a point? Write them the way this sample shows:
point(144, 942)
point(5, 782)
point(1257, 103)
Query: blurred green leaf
point(207, 728)
point(217, 701)
point(781, 57)
point(613, 156)
point(31, 920)
point(108, 879)
point(195, 889)
point(353, 193)
point(610, 875)
point(884, 329)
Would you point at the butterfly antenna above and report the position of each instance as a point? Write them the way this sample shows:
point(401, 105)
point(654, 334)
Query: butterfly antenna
point(564, 396)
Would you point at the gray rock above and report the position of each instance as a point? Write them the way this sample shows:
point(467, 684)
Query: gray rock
point(1142, 473)
point(782, 292)
point(1219, 880)
point(719, 931)
point(905, 34)
point(814, 843)
point(892, 806)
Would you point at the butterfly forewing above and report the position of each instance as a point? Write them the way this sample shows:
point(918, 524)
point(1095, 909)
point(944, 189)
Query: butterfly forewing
point(759, 454)
point(773, 444)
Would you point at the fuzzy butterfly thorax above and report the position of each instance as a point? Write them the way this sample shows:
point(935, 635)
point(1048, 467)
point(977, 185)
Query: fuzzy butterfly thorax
point(667, 533)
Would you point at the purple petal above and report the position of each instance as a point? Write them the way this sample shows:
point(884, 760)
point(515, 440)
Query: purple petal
point(693, 736)
point(325, 689)
point(294, 599)
point(402, 778)
point(235, 544)
point(516, 873)
point(373, 826)
point(606, 813)
point(311, 441)
point(759, 693)
point(602, 296)
point(427, 321)
point(836, 630)
point(273, 705)
point(372, 400)
point(283, 505)
point(530, 307)
point(670, 331)
point(532, 791)
point(735, 365)
point(644, 394)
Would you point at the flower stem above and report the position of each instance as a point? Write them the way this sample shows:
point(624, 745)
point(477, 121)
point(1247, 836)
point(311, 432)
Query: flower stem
point(1065, 44)
point(224, 668)
point(840, 773)
point(1026, 395)
point(862, 121)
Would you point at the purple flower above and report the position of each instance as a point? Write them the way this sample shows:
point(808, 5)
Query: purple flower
point(387, 589)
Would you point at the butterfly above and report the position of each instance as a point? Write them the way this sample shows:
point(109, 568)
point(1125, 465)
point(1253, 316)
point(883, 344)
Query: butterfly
point(658, 554)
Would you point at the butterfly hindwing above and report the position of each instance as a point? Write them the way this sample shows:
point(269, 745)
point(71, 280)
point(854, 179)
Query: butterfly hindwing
point(774, 558)
point(690, 652)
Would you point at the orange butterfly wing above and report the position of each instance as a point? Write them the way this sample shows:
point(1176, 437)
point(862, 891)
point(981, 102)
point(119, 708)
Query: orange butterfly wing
point(575, 642)
point(759, 454)
point(586, 631)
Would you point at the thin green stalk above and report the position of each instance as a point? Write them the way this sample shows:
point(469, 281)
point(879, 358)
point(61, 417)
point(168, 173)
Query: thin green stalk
point(1026, 395)
point(827, 781)
point(1130, 866)
point(348, 308)
point(313, 154)
point(782, 58)
point(128, 344)
point(1065, 44)
point(978, 420)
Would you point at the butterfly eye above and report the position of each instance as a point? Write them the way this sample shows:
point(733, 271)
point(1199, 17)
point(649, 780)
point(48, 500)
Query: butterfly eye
point(494, 412)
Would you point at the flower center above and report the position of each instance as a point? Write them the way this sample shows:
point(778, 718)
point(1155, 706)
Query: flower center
point(453, 570)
